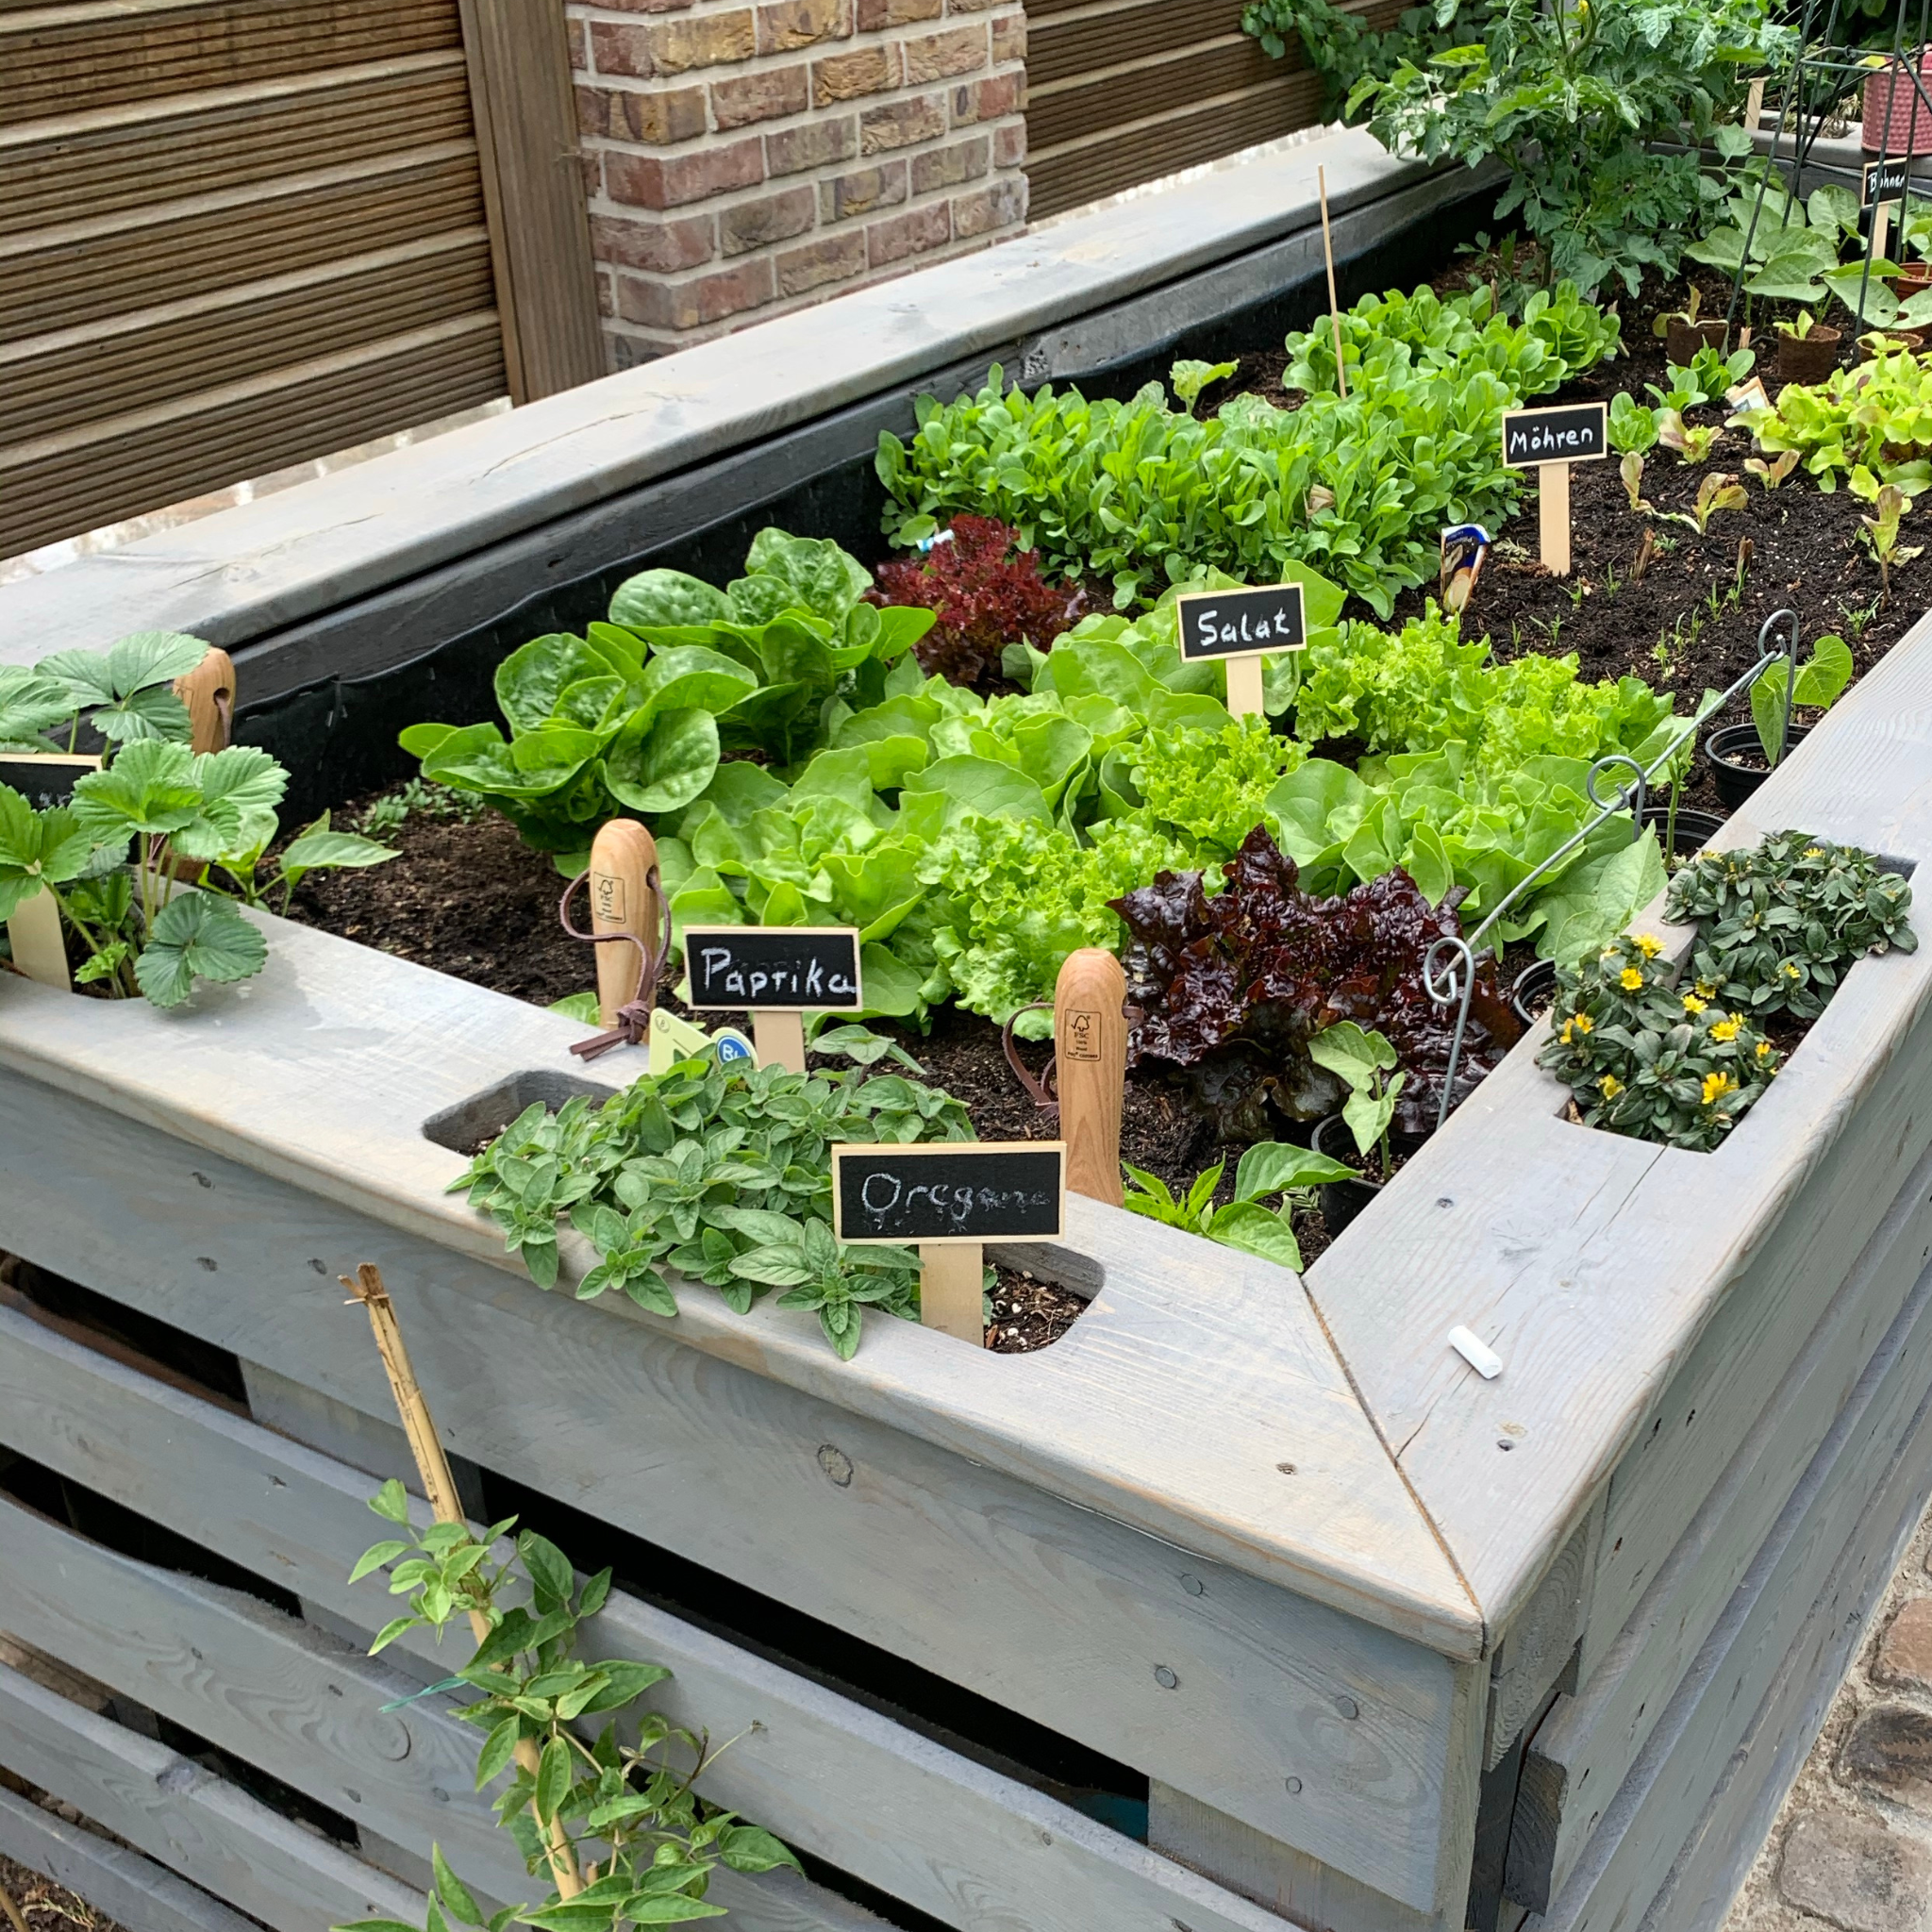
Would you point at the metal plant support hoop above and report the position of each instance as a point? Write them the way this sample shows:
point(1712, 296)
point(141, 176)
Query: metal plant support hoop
point(1449, 967)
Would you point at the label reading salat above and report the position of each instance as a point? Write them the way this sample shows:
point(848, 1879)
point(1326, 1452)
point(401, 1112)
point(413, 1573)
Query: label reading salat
point(1242, 624)
point(1574, 433)
point(772, 969)
point(949, 1191)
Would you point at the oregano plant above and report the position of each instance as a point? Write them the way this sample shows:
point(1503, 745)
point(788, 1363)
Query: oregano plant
point(600, 1808)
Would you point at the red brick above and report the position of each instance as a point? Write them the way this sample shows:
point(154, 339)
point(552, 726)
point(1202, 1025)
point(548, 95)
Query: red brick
point(901, 124)
point(767, 96)
point(1010, 144)
point(912, 233)
point(591, 163)
point(1010, 39)
point(864, 190)
point(654, 119)
point(703, 299)
point(661, 247)
point(579, 46)
point(644, 6)
point(974, 6)
point(939, 56)
point(789, 24)
point(986, 100)
point(777, 217)
point(845, 76)
point(607, 300)
point(832, 259)
point(705, 39)
point(812, 144)
point(618, 47)
point(997, 206)
point(873, 14)
point(947, 167)
point(673, 180)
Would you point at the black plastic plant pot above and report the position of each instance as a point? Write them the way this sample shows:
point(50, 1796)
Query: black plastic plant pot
point(1694, 830)
point(1533, 990)
point(1733, 753)
point(1341, 1201)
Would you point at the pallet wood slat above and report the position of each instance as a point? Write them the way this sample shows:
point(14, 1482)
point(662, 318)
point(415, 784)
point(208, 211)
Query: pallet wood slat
point(1580, 1755)
point(1806, 1596)
point(189, 1820)
point(1061, 1614)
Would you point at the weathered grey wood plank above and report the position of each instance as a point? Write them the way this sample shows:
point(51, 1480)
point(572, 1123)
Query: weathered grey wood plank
point(1540, 1647)
point(180, 1813)
point(1580, 1755)
point(118, 1883)
point(896, 1809)
point(1195, 1372)
point(1834, 1544)
point(1053, 1611)
point(1593, 1264)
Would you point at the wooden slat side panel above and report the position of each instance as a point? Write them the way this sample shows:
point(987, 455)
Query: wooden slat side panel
point(121, 472)
point(1057, 49)
point(136, 165)
point(49, 386)
point(1203, 73)
point(74, 60)
point(75, 278)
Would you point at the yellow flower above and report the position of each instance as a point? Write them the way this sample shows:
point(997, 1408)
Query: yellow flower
point(1716, 1086)
point(1814, 852)
point(1706, 989)
point(1692, 1004)
point(1725, 1030)
point(1792, 970)
point(1649, 947)
point(1630, 979)
point(1610, 1085)
point(1581, 1022)
point(1764, 1049)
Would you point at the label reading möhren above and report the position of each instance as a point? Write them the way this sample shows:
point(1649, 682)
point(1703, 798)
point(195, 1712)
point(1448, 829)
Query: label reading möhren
point(1574, 433)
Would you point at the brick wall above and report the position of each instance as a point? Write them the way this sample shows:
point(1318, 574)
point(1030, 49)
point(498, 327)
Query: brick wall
point(741, 158)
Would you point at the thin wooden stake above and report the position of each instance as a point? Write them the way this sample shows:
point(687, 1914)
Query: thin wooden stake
point(1552, 517)
point(440, 1486)
point(1334, 306)
point(40, 948)
point(780, 1039)
point(1244, 687)
point(13, 1911)
point(951, 1289)
point(1089, 1035)
point(623, 859)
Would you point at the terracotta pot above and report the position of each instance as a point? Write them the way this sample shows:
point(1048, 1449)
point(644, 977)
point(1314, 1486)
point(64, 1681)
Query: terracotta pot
point(1896, 121)
point(1686, 338)
point(1808, 358)
point(1911, 281)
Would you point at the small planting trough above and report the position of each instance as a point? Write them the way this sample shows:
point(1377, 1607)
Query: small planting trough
point(1248, 1603)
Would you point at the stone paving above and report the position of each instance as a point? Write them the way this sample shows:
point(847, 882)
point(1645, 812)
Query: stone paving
point(1852, 1848)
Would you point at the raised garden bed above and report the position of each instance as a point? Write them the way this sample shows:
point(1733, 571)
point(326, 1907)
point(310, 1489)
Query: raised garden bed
point(1245, 1601)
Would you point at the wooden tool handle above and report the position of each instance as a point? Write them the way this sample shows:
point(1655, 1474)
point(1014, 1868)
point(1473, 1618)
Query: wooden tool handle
point(209, 692)
point(624, 857)
point(1090, 1032)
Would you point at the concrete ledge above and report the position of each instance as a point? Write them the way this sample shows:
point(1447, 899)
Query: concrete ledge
point(242, 574)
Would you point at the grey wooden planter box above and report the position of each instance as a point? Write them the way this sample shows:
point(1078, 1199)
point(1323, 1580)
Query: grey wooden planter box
point(1389, 1643)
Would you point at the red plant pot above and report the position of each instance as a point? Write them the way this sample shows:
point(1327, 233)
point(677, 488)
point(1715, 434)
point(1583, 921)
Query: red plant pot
point(1897, 122)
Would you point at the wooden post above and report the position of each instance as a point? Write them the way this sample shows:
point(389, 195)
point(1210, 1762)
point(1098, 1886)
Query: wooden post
point(623, 857)
point(780, 1039)
point(1553, 488)
point(1881, 229)
point(440, 1486)
point(209, 692)
point(1754, 107)
point(1244, 687)
point(1090, 1034)
point(1334, 306)
point(951, 1294)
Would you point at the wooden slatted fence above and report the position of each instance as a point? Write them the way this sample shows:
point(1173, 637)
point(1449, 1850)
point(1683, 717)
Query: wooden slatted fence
point(239, 234)
point(1121, 91)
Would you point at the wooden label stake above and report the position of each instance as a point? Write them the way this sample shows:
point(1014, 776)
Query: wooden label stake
point(1334, 306)
point(777, 973)
point(1548, 442)
point(624, 857)
point(1552, 517)
point(40, 952)
point(780, 1039)
point(1090, 1034)
point(951, 1290)
point(1237, 630)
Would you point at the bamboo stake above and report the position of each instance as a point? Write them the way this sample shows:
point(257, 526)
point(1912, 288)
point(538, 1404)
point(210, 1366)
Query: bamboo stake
point(440, 1486)
point(14, 1917)
point(1334, 306)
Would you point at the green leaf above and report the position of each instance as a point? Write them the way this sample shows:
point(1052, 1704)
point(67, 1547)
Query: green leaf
point(1271, 1166)
point(452, 1892)
point(550, 1569)
point(663, 762)
point(391, 1630)
point(391, 1502)
point(751, 1848)
point(553, 1777)
point(673, 1910)
point(376, 1557)
point(146, 658)
point(197, 937)
point(327, 848)
point(151, 788)
point(499, 1748)
point(1256, 1230)
point(666, 598)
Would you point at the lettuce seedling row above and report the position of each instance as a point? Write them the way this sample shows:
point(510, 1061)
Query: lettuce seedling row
point(1256, 1602)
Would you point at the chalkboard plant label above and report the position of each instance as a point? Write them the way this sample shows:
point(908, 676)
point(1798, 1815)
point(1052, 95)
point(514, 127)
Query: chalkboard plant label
point(46, 779)
point(1242, 624)
point(773, 969)
point(1570, 433)
point(950, 1192)
point(1887, 180)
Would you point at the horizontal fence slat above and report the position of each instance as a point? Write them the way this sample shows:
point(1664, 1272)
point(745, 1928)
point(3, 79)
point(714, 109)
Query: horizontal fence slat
point(894, 1808)
point(1128, 30)
point(1055, 1612)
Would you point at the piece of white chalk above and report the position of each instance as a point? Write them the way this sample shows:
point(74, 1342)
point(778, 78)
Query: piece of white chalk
point(1479, 1354)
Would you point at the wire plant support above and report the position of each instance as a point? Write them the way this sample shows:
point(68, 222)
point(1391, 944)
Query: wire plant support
point(1825, 69)
point(1449, 967)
